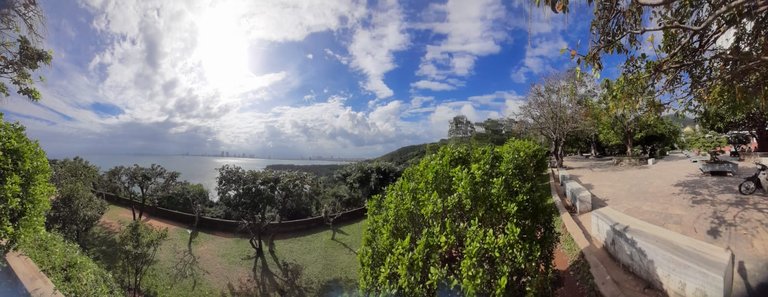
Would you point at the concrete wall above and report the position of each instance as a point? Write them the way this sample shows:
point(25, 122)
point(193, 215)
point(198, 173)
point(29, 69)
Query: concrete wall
point(562, 176)
point(679, 265)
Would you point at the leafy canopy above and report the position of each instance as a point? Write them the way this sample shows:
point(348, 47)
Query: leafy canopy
point(21, 22)
point(472, 219)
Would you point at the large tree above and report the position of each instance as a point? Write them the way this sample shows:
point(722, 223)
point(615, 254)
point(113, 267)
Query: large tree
point(710, 59)
point(21, 25)
point(629, 104)
point(141, 184)
point(75, 210)
point(555, 108)
point(25, 188)
point(259, 198)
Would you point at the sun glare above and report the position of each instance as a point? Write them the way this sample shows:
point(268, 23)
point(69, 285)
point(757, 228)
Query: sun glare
point(223, 50)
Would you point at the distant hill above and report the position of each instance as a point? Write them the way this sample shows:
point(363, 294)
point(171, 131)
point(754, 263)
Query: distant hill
point(681, 120)
point(408, 155)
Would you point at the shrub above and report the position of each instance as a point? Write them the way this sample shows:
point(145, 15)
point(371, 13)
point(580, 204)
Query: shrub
point(24, 186)
point(476, 220)
point(71, 271)
point(75, 211)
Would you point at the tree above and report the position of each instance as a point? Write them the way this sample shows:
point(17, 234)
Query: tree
point(20, 54)
point(629, 104)
point(186, 197)
point(141, 184)
point(460, 127)
point(367, 179)
point(75, 210)
point(25, 187)
point(478, 220)
point(554, 109)
point(137, 247)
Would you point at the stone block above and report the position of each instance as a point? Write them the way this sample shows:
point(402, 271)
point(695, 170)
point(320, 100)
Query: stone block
point(578, 196)
point(672, 262)
point(724, 166)
point(562, 176)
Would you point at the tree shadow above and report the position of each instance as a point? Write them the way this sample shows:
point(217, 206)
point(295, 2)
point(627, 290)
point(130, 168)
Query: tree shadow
point(762, 287)
point(271, 277)
point(338, 287)
point(100, 244)
point(345, 246)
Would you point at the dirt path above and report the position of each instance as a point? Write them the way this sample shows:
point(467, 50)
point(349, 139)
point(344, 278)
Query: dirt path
point(569, 285)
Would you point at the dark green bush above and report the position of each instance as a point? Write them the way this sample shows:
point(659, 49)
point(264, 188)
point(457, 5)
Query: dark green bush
point(476, 220)
point(71, 271)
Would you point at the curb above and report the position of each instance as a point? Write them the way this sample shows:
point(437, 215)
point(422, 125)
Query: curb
point(34, 281)
point(605, 283)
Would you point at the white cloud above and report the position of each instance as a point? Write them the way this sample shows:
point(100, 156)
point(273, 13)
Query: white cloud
point(419, 101)
point(471, 29)
point(373, 46)
point(310, 56)
point(432, 85)
point(539, 57)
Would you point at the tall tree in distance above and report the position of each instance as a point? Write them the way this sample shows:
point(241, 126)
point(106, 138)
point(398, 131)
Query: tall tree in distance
point(141, 184)
point(460, 127)
point(630, 104)
point(554, 109)
point(21, 25)
point(75, 210)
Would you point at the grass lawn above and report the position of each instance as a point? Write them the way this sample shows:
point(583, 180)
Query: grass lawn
point(304, 263)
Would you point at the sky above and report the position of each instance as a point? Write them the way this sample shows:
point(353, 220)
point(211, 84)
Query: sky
point(340, 78)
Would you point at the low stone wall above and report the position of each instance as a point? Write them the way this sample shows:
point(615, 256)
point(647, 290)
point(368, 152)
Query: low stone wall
point(232, 226)
point(578, 196)
point(562, 176)
point(677, 264)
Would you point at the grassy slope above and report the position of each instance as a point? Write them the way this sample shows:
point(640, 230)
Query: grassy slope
point(327, 264)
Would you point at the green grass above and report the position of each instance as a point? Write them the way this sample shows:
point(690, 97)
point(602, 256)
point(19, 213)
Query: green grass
point(309, 263)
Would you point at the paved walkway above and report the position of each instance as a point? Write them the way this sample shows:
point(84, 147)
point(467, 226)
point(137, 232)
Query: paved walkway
point(675, 195)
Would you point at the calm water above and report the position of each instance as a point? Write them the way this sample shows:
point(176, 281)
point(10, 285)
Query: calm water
point(193, 168)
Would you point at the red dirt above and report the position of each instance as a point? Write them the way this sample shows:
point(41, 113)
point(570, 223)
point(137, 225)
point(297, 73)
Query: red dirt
point(568, 284)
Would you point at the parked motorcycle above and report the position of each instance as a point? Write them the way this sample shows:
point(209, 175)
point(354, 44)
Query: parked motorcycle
point(758, 180)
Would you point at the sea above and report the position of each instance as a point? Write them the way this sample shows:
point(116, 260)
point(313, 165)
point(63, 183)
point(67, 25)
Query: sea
point(195, 169)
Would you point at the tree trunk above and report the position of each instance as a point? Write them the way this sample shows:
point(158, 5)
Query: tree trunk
point(628, 143)
point(558, 153)
point(133, 210)
point(593, 146)
point(762, 140)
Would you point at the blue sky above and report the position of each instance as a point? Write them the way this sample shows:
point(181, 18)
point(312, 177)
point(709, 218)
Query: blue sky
point(284, 78)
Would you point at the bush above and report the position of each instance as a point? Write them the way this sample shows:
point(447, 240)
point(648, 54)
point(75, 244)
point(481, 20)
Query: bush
point(476, 220)
point(24, 186)
point(73, 273)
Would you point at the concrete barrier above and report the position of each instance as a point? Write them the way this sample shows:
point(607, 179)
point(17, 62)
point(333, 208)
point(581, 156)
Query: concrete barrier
point(562, 176)
point(677, 264)
point(578, 196)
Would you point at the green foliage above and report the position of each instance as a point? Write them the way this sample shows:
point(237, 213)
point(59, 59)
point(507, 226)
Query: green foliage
point(71, 271)
point(77, 170)
point(476, 220)
point(185, 197)
point(703, 140)
point(142, 184)
point(75, 210)
point(25, 189)
point(20, 54)
point(137, 247)
point(629, 107)
point(367, 179)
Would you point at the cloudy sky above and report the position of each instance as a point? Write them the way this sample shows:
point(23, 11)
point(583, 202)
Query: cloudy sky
point(284, 78)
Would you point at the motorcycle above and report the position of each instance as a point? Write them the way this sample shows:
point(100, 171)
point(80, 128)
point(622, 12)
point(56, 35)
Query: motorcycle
point(758, 180)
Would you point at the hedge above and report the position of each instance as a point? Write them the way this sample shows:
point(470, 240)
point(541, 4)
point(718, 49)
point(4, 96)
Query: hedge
point(71, 271)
